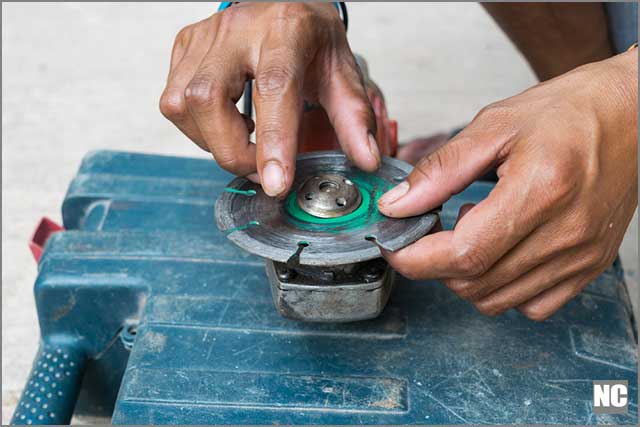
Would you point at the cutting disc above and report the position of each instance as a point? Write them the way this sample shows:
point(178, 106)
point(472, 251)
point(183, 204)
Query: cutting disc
point(283, 231)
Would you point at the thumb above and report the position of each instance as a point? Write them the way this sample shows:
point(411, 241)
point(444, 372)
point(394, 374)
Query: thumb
point(441, 174)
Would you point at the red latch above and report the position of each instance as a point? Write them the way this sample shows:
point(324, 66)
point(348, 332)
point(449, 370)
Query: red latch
point(45, 229)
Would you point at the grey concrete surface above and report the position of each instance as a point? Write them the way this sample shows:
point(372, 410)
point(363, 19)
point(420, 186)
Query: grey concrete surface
point(78, 77)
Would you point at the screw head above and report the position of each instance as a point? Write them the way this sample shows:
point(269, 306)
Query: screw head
point(285, 274)
point(329, 275)
point(372, 275)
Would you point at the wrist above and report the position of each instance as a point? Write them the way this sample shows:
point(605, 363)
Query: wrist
point(339, 8)
point(619, 94)
point(606, 92)
point(625, 79)
point(336, 8)
point(616, 107)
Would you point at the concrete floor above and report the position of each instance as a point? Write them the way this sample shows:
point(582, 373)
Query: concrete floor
point(78, 77)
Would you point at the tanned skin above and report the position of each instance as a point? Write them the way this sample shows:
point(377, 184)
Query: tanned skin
point(555, 37)
point(565, 150)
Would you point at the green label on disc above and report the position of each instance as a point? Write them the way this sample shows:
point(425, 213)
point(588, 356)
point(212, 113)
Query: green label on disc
point(371, 188)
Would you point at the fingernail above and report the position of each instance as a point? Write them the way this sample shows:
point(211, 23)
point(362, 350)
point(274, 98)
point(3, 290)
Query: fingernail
point(373, 148)
point(394, 194)
point(253, 177)
point(273, 178)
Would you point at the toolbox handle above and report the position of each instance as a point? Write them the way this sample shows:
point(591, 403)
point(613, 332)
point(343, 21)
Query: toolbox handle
point(50, 395)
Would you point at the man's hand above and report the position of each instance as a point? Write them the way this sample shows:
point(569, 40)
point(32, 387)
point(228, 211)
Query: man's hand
point(295, 52)
point(566, 152)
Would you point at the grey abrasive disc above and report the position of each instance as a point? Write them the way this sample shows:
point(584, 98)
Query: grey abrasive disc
point(285, 230)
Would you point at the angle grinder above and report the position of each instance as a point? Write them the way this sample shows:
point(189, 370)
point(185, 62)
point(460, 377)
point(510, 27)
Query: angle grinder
point(322, 242)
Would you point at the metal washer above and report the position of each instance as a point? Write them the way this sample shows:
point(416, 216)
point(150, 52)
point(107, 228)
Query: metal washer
point(328, 196)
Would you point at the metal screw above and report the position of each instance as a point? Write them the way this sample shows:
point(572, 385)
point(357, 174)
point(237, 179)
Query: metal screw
point(285, 274)
point(329, 275)
point(372, 275)
point(327, 186)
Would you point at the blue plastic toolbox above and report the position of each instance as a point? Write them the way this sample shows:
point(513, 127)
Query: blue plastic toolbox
point(149, 315)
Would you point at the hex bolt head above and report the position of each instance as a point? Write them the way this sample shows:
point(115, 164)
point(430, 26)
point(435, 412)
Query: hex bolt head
point(372, 275)
point(286, 274)
point(329, 275)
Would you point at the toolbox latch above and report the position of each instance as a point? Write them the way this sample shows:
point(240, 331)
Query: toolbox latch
point(44, 230)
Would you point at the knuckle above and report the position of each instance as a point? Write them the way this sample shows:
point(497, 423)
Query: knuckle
point(558, 181)
point(228, 17)
point(559, 178)
point(184, 35)
point(202, 91)
point(596, 256)
point(270, 133)
point(294, 13)
point(471, 260)
point(172, 105)
point(430, 164)
point(362, 112)
point(273, 81)
point(496, 112)
point(583, 229)
point(443, 163)
point(228, 162)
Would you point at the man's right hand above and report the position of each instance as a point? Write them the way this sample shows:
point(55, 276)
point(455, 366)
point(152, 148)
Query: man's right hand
point(295, 52)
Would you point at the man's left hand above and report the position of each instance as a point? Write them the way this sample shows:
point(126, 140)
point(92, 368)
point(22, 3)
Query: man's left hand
point(566, 156)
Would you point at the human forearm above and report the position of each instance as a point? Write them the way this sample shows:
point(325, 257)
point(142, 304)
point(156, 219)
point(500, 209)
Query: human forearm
point(554, 37)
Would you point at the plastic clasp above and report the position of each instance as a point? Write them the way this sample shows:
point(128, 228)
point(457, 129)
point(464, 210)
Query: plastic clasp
point(44, 230)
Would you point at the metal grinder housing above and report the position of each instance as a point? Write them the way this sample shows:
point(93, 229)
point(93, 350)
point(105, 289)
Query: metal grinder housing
point(322, 242)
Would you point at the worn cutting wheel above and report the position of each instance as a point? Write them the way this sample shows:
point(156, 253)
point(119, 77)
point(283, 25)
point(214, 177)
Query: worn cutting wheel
point(329, 218)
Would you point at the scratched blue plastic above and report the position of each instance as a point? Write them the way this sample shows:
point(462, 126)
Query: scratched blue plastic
point(179, 324)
